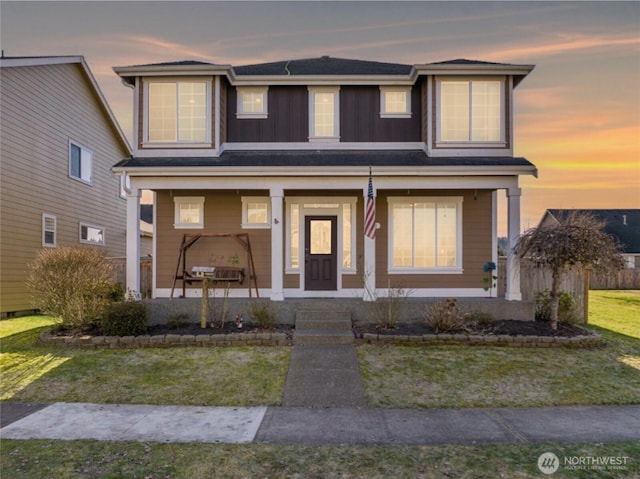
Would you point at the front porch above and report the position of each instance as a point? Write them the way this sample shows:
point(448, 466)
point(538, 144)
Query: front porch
point(411, 309)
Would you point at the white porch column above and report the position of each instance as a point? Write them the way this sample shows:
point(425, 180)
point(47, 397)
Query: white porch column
point(133, 242)
point(369, 259)
point(277, 245)
point(513, 261)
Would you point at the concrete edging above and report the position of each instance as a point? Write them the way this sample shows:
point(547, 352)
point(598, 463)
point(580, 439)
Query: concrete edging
point(284, 339)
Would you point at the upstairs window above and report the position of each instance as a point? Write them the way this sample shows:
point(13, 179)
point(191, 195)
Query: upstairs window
point(252, 102)
point(471, 111)
point(395, 102)
point(324, 114)
point(178, 112)
point(80, 162)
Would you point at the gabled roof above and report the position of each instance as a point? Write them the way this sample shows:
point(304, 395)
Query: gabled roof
point(33, 61)
point(622, 224)
point(324, 65)
point(464, 61)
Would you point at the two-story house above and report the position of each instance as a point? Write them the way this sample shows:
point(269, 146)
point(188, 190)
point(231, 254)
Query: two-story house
point(58, 142)
point(290, 153)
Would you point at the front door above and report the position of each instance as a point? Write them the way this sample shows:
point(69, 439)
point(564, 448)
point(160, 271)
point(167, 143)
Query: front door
point(321, 253)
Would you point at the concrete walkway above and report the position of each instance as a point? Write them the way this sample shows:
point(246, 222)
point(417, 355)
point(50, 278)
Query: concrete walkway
point(311, 426)
point(324, 376)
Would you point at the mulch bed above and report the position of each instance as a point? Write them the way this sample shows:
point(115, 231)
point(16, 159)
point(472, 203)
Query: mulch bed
point(510, 327)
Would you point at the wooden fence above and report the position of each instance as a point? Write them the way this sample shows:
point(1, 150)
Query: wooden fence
point(146, 274)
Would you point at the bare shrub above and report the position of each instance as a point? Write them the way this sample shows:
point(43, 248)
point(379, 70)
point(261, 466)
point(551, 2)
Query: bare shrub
point(262, 314)
point(72, 283)
point(444, 317)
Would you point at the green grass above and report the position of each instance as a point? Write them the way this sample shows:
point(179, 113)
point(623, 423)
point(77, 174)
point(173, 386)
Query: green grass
point(458, 376)
point(94, 459)
point(243, 376)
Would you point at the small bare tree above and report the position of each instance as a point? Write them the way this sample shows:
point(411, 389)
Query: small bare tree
point(575, 241)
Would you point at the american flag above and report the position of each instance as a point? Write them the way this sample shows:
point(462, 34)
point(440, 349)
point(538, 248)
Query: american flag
point(370, 211)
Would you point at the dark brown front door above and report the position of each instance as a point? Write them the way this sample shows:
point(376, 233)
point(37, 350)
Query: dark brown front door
point(321, 255)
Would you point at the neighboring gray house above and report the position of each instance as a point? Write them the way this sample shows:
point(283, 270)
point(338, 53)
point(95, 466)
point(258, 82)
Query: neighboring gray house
point(58, 141)
point(623, 225)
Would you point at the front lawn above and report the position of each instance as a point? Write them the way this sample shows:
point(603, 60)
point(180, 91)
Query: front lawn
point(460, 376)
point(243, 376)
point(96, 459)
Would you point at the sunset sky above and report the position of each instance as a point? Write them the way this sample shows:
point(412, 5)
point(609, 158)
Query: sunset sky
point(577, 114)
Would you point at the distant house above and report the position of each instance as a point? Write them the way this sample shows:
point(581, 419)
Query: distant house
point(58, 141)
point(146, 230)
point(623, 225)
point(295, 154)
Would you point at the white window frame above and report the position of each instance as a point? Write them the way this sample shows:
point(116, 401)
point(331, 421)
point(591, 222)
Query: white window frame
point(86, 163)
point(54, 230)
point(241, 91)
point(384, 90)
point(450, 200)
point(335, 90)
point(316, 206)
point(145, 116)
point(178, 201)
point(465, 144)
point(246, 201)
point(87, 241)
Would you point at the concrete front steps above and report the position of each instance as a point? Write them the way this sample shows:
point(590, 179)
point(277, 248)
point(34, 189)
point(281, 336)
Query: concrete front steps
point(323, 327)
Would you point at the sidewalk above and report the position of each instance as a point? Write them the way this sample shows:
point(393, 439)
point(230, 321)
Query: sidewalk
point(328, 426)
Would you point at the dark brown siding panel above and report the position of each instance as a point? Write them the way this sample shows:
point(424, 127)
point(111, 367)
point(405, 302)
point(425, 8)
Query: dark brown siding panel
point(288, 119)
point(360, 117)
point(141, 114)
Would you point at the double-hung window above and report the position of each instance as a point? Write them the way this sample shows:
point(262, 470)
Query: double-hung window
point(425, 235)
point(178, 111)
point(80, 162)
point(471, 111)
point(324, 113)
point(49, 227)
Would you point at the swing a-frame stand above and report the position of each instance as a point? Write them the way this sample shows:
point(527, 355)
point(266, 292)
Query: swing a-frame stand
point(227, 274)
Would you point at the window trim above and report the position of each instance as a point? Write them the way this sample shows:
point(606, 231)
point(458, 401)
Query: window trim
point(83, 150)
point(246, 200)
point(177, 144)
point(457, 269)
point(336, 113)
point(241, 114)
point(45, 217)
point(177, 201)
point(501, 143)
point(86, 241)
point(394, 89)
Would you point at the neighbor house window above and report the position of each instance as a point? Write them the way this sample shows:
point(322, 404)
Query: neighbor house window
point(324, 113)
point(471, 111)
point(425, 234)
point(395, 102)
point(91, 234)
point(48, 230)
point(178, 112)
point(80, 162)
point(189, 212)
point(252, 102)
point(256, 212)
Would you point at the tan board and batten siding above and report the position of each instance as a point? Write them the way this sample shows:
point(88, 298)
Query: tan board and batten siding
point(43, 108)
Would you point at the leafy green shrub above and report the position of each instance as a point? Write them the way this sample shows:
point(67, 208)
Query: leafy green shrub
point(262, 314)
point(72, 283)
point(445, 316)
point(128, 318)
point(567, 309)
point(177, 320)
point(480, 319)
point(117, 293)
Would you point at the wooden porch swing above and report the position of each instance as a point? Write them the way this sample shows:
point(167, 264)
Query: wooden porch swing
point(227, 274)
